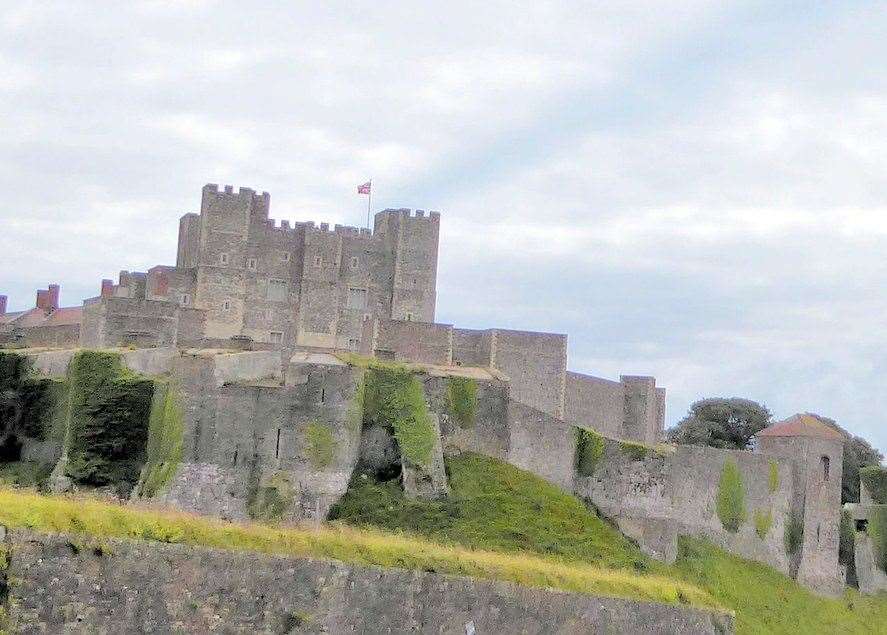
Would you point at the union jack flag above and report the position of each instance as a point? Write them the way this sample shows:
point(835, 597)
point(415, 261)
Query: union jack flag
point(365, 188)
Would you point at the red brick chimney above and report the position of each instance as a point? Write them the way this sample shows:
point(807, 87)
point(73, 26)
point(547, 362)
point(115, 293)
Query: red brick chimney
point(48, 299)
point(2, 305)
point(54, 296)
point(43, 299)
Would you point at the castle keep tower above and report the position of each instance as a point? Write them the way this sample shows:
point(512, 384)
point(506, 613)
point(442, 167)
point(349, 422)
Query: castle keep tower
point(817, 453)
point(297, 285)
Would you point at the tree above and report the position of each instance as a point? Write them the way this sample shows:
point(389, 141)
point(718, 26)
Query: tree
point(721, 423)
point(857, 453)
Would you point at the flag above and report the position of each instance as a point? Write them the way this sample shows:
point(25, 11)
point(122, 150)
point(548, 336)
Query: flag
point(365, 188)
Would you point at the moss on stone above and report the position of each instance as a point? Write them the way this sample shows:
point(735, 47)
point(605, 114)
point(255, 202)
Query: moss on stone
point(730, 501)
point(354, 416)
point(635, 451)
point(763, 520)
point(877, 532)
point(589, 451)
point(394, 398)
point(773, 476)
point(271, 501)
point(462, 400)
point(794, 533)
point(166, 430)
point(874, 478)
point(847, 540)
point(110, 409)
point(320, 445)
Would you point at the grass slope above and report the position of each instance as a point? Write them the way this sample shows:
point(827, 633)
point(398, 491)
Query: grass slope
point(99, 519)
point(498, 507)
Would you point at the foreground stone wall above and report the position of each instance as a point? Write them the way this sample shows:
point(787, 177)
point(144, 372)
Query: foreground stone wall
point(63, 584)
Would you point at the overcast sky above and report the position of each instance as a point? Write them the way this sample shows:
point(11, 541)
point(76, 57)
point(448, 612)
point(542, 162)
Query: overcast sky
point(694, 190)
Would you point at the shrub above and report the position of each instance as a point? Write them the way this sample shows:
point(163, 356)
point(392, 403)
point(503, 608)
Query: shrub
point(589, 450)
point(877, 531)
point(874, 477)
point(773, 477)
point(462, 400)
point(394, 398)
point(165, 439)
point(763, 522)
point(635, 451)
point(794, 533)
point(321, 445)
point(730, 503)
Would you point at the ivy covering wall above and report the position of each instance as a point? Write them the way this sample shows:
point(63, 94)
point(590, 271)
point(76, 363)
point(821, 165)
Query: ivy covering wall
point(730, 501)
point(320, 445)
point(877, 531)
point(165, 438)
point(589, 451)
point(394, 398)
point(110, 409)
point(462, 400)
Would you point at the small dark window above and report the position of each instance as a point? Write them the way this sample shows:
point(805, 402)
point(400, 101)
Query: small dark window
point(825, 468)
point(322, 395)
point(277, 448)
point(235, 458)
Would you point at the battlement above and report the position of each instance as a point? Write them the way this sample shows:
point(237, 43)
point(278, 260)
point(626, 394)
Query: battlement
point(213, 188)
point(408, 213)
point(344, 230)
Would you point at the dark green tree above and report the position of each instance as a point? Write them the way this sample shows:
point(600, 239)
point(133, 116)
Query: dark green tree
point(721, 423)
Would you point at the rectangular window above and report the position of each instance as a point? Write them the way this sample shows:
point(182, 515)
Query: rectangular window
point(409, 317)
point(277, 290)
point(357, 299)
point(226, 305)
point(354, 262)
point(276, 337)
point(223, 259)
point(353, 344)
point(186, 300)
point(286, 256)
point(318, 261)
point(252, 264)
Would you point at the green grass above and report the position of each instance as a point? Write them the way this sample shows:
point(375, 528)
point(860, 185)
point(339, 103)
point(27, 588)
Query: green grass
point(100, 520)
point(495, 506)
point(766, 601)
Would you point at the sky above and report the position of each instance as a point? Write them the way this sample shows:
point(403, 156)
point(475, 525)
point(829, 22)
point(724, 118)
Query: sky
point(693, 190)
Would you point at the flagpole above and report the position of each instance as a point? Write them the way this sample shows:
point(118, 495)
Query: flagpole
point(369, 203)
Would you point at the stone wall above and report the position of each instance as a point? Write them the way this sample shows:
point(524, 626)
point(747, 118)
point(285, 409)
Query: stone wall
point(592, 402)
point(64, 584)
point(117, 321)
point(423, 342)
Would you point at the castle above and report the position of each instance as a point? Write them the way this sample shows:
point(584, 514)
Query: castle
point(262, 335)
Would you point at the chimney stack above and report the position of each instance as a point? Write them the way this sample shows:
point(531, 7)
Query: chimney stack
point(107, 288)
point(48, 299)
point(54, 296)
point(2, 305)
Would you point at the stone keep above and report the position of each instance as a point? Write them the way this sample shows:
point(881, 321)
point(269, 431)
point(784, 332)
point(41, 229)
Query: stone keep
point(298, 285)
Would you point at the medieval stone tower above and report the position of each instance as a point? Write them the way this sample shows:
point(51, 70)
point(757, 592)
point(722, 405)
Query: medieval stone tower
point(299, 285)
point(817, 452)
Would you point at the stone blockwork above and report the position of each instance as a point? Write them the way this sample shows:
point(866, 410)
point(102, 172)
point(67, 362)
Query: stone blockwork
point(63, 584)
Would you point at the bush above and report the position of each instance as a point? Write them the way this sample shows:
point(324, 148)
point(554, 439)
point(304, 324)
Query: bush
point(462, 400)
point(635, 451)
point(589, 450)
point(794, 534)
point(730, 503)
point(394, 398)
point(874, 477)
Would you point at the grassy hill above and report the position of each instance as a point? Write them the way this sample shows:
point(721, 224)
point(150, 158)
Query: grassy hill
point(497, 507)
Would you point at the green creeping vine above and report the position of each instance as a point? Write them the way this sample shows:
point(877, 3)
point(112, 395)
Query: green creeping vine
point(877, 531)
point(394, 398)
point(773, 477)
point(763, 520)
point(272, 500)
point(589, 451)
point(321, 445)
point(794, 533)
point(874, 477)
point(165, 439)
point(108, 423)
point(730, 503)
point(462, 398)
